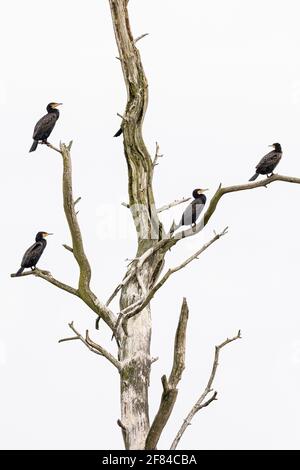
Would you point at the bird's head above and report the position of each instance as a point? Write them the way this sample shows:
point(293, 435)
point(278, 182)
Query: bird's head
point(41, 235)
point(276, 146)
point(197, 192)
point(52, 106)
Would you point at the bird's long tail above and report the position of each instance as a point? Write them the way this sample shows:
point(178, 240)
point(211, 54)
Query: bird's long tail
point(117, 134)
point(34, 146)
point(18, 273)
point(254, 177)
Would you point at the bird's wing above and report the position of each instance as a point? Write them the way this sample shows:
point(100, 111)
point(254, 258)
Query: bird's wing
point(269, 158)
point(32, 251)
point(199, 208)
point(192, 212)
point(45, 124)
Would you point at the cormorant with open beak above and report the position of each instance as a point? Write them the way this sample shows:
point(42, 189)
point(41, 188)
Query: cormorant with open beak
point(45, 125)
point(33, 254)
point(269, 162)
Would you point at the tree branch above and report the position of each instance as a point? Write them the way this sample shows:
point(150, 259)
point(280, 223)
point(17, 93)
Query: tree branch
point(47, 276)
point(200, 403)
point(231, 189)
point(141, 37)
point(157, 155)
point(243, 187)
point(92, 346)
point(166, 206)
point(84, 290)
point(172, 204)
point(68, 248)
point(170, 392)
point(141, 305)
point(51, 146)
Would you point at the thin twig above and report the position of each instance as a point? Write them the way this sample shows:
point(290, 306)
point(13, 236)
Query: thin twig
point(77, 200)
point(52, 147)
point(140, 37)
point(200, 403)
point(157, 155)
point(68, 248)
point(92, 346)
point(166, 206)
point(122, 117)
point(117, 289)
point(72, 338)
point(172, 204)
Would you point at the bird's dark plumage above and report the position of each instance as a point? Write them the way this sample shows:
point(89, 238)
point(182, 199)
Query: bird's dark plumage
point(193, 210)
point(117, 134)
point(269, 162)
point(33, 254)
point(45, 125)
point(34, 146)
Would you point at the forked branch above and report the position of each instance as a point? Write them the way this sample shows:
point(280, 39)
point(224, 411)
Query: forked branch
point(84, 290)
point(142, 303)
point(232, 189)
point(201, 403)
point(92, 346)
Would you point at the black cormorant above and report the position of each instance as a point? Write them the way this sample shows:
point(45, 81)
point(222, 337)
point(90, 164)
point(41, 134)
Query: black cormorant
point(193, 210)
point(33, 254)
point(45, 125)
point(269, 162)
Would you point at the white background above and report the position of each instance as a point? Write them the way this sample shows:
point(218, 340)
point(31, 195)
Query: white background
point(224, 81)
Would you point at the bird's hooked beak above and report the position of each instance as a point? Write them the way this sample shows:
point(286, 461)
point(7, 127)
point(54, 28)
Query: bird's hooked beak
point(203, 190)
point(55, 105)
point(272, 145)
point(46, 234)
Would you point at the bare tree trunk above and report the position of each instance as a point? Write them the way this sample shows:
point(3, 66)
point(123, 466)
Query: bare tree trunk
point(134, 349)
point(135, 374)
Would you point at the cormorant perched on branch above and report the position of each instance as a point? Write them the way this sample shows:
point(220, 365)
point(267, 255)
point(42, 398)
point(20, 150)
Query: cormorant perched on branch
point(269, 162)
point(45, 125)
point(33, 254)
point(193, 210)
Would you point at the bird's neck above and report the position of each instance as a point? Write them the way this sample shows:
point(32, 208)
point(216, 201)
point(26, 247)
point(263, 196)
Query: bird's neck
point(278, 148)
point(201, 198)
point(53, 111)
point(41, 239)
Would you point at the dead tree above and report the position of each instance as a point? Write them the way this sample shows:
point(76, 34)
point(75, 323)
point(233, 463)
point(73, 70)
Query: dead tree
point(131, 325)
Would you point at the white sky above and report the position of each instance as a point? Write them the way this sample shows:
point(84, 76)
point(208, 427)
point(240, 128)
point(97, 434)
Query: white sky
point(224, 82)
